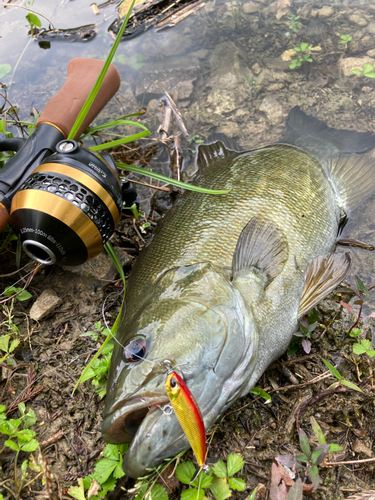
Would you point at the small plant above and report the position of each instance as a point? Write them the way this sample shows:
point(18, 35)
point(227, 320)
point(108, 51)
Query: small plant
point(340, 378)
point(367, 70)
point(294, 25)
point(307, 326)
point(364, 347)
point(19, 440)
point(252, 82)
point(345, 39)
point(106, 473)
point(99, 369)
point(220, 479)
point(311, 458)
point(305, 56)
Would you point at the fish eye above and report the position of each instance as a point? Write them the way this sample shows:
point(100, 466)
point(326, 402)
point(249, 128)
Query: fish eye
point(135, 350)
point(174, 383)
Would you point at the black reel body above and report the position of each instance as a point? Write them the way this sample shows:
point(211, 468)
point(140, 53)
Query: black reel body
point(68, 207)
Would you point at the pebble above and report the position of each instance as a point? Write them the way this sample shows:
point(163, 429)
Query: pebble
point(256, 69)
point(371, 53)
point(349, 63)
point(371, 28)
point(358, 20)
point(250, 8)
point(45, 304)
point(325, 11)
point(272, 109)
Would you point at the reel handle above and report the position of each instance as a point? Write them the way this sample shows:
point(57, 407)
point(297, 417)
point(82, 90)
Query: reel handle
point(63, 109)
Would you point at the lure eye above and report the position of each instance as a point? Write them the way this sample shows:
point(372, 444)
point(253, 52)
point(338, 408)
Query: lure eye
point(135, 350)
point(174, 383)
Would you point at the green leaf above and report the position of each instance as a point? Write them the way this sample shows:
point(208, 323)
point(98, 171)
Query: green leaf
point(118, 472)
point(234, 463)
point(220, 469)
point(2, 408)
point(366, 68)
point(4, 70)
point(359, 349)
point(237, 484)
point(302, 458)
point(30, 446)
point(118, 142)
point(169, 180)
point(304, 46)
point(24, 466)
point(260, 392)
point(11, 444)
point(357, 71)
point(332, 369)
point(351, 385)
point(253, 494)
point(314, 475)
point(185, 472)
point(33, 20)
point(103, 469)
point(24, 295)
point(77, 492)
point(14, 344)
point(371, 353)
point(313, 317)
point(370, 75)
point(220, 488)
point(334, 447)
point(318, 431)
point(192, 494)
point(204, 479)
point(315, 455)
point(4, 342)
point(158, 492)
point(86, 107)
point(304, 442)
point(112, 451)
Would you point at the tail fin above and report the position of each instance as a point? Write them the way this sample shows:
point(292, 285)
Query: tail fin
point(344, 154)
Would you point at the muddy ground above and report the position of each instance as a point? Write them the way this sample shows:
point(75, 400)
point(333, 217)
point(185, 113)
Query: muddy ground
point(243, 44)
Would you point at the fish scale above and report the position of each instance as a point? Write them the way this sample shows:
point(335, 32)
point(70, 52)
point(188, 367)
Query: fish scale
point(201, 227)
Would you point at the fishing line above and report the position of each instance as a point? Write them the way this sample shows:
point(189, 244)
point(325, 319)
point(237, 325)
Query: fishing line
point(33, 271)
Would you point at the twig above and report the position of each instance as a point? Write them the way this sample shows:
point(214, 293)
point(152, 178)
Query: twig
point(349, 462)
point(316, 398)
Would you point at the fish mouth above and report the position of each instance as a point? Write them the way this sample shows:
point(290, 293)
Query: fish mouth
point(122, 425)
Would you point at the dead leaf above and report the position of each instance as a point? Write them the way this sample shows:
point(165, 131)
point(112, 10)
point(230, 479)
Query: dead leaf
point(285, 476)
point(278, 490)
point(308, 489)
point(364, 495)
point(93, 490)
point(295, 492)
point(282, 8)
point(360, 447)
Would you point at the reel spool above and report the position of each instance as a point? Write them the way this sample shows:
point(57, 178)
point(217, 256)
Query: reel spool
point(68, 207)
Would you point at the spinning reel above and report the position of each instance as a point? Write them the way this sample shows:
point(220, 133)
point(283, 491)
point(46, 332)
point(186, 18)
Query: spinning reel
point(64, 201)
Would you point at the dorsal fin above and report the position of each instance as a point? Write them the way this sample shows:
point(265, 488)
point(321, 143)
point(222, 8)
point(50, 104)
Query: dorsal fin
point(322, 275)
point(213, 153)
point(354, 177)
point(261, 247)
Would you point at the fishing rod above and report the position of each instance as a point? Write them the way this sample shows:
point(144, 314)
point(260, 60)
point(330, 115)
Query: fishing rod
point(62, 200)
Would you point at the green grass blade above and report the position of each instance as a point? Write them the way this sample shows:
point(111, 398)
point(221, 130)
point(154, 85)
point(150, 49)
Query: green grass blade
point(118, 142)
point(113, 123)
point(99, 81)
point(111, 252)
point(168, 180)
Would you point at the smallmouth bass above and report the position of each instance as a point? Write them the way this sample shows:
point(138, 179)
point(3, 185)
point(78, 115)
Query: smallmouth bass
point(217, 292)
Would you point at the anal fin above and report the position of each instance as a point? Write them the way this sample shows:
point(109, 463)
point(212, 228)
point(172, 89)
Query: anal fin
point(322, 275)
point(261, 248)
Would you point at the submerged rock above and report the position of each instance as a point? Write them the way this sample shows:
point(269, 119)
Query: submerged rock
point(349, 63)
point(358, 20)
point(272, 109)
point(325, 11)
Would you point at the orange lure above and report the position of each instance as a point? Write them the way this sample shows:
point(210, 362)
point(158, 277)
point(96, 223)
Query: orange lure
point(188, 414)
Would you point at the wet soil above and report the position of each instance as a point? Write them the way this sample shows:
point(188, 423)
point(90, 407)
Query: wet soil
point(232, 79)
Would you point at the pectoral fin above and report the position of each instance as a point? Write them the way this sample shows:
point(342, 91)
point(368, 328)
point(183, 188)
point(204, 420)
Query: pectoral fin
point(262, 249)
point(322, 275)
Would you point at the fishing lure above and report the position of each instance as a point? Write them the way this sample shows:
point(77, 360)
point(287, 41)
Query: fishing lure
point(188, 414)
